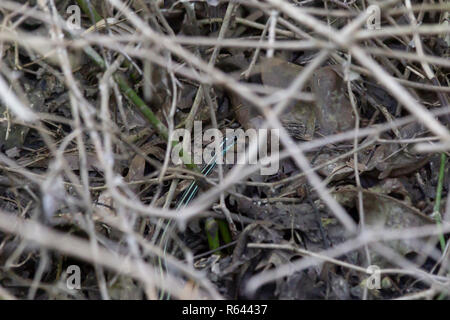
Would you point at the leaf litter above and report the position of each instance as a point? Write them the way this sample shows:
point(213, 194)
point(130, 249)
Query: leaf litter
point(56, 173)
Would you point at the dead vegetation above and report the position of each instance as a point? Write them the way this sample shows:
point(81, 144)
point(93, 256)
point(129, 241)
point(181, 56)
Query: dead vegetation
point(86, 179)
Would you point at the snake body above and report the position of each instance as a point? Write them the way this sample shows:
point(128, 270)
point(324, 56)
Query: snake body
point(185, 199)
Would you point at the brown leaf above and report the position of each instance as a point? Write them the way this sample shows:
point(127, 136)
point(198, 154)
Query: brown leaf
point(298, 117)
point(383, 212)
point(394, 160)
point(137, 165)
point(333, 109)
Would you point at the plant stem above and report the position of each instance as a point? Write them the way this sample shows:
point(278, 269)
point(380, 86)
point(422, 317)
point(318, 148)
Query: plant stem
point(224, 231)
point(146, 111)
point(89, 10)
point(212, 233)
point(437, 204)
point(160, 128)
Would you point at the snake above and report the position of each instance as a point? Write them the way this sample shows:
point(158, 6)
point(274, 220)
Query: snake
point(187, 196)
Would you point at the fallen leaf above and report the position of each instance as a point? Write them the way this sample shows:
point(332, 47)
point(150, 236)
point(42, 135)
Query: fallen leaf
point(333, 109)
point(298, 117)
point(383, 212)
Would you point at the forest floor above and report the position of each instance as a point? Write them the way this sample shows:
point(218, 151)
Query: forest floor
point(353, 95)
